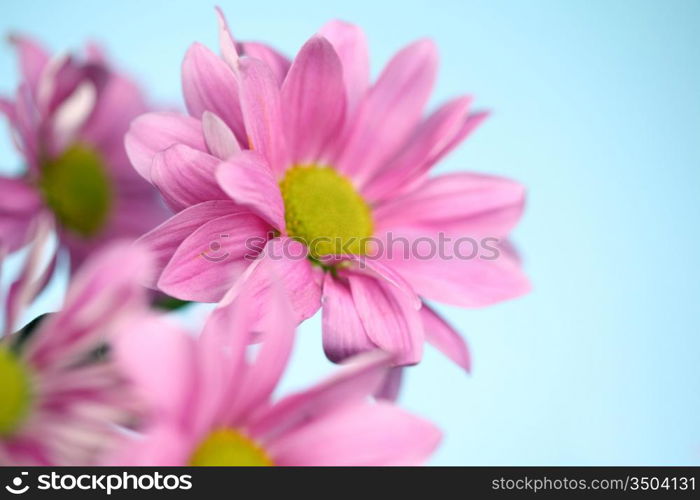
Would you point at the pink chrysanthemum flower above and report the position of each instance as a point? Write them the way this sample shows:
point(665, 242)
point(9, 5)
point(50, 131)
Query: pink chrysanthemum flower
point(68, 121)
point(212, 405)
point(315, 154)
point(60, 399)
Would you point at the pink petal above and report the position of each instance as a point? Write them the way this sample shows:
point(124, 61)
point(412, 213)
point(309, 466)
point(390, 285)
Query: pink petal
point(162, 445)
point(313, 102)
point(220, 140)
point(58, 79)
point(209, 84)
point(379, 270)
point(459, 204)
point(32, 60)
point(384, 185)
point(470, 124)
point(286, 259)
point(25, 121)
point(95, 52)
point(154, 132)
point(277, 62)
point(186, 177)
point(222, 352)
point(260, 103)
point(13, 230)
point(71, 115)
point(389, 317)
point(7, 108)
point(227, 44)
point(31, 279)
point(19, 204)
point(445, 338)
point(411, 162)
point(350, 44)
point(164, 240)
point(462, 281)
point(343, 332)
point(276, 331)
point(160, 361)
point(62, 76)
point(105, 289)
point(390, 111)
point(209, 261)
point(119, 103)
point(359, 435)
point(391, 386)
point(248, 181)
point(358, 378)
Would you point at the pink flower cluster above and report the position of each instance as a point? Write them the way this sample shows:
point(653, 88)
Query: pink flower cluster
point(275, 196)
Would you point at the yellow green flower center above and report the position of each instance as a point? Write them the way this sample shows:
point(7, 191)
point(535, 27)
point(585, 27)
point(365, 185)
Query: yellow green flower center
point(228, 447)
point(324, 211)
point(15, 391)
point(77, 188)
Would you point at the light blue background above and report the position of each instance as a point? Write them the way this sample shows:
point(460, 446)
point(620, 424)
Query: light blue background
point(597, 110)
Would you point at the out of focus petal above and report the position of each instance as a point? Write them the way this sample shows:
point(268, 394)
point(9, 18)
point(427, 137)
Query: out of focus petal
point(160, 361)
point(19, 204)
point(361, 435)
point(275, 330)
point(163, 444)
point(352, 384)
point(120, 101)
point(106, 287)
point(33, 58)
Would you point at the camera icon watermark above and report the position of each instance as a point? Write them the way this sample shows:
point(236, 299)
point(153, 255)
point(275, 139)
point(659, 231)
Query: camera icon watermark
point(16, 488)
point(215, 252)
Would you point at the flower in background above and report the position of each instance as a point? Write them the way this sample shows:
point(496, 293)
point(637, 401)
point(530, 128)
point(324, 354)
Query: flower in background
point(301, 153)
point(68, 120)
point(211, 404)
point(61, 395)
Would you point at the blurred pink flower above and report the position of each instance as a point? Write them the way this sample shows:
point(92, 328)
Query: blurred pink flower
point(211, 403)
point(61, 399)
point(311, 152)
point(68, 121)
